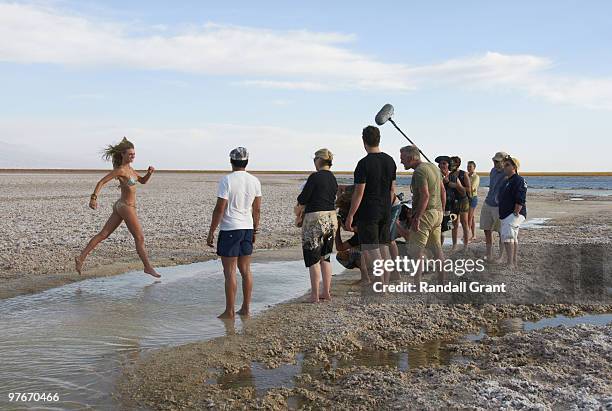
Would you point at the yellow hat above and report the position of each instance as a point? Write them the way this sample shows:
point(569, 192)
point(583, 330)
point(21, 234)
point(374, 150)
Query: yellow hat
point(324, 154)
point(515, 161)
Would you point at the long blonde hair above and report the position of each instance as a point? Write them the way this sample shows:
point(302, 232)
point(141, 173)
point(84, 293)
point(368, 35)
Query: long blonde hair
point(115, 152)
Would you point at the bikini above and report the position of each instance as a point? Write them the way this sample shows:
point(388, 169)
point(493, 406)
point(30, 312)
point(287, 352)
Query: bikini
point(120, 203)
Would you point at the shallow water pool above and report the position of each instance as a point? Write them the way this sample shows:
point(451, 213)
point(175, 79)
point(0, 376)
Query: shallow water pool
point(73, 340)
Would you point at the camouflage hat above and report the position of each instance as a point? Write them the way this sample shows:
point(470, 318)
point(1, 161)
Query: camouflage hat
point(239, 154)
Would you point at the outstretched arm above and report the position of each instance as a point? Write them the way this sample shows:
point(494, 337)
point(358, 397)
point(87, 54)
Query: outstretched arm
point(93, 200)
point(143, 180)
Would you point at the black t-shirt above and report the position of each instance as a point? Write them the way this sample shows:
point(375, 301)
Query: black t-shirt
point(377, 171)
point(319, 192)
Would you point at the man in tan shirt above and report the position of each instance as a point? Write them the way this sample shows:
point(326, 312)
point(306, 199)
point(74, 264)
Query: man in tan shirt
point(428, 201)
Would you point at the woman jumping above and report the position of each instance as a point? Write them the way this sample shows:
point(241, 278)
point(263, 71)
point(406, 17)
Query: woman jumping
point(124, 209)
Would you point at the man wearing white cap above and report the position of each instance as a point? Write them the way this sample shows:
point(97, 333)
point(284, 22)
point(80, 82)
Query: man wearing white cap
point(489, 214)
point(237, 213)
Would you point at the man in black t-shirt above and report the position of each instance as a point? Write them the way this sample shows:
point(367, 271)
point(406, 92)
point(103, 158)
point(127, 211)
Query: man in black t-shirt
point(374, 180)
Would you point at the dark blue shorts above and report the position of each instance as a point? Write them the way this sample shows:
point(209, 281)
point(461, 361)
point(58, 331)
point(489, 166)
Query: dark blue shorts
point(235, 243)
point(474, 202)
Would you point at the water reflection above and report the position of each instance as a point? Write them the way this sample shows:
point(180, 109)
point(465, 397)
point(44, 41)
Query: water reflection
point(75, 339)
point(430, 354)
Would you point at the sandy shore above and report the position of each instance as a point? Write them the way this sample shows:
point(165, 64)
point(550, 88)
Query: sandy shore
point(551, 368)
point(46, 222)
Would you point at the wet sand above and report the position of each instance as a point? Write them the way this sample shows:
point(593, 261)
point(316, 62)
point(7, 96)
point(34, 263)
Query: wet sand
point(48, 223)
point(551, 368)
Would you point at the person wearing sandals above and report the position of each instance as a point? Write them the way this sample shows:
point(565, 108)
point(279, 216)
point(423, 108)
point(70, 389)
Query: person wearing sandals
point(319, 224)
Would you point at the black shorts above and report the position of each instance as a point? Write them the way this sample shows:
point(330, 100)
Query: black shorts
point(374, 233)
point(235, 243)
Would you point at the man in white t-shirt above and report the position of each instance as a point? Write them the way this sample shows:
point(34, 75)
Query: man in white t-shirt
point(237, 212)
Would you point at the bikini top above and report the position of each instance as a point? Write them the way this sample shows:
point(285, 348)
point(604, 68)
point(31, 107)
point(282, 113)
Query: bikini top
point(129, 182)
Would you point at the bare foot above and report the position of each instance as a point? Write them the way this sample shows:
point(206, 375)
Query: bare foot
point(243, 311)
point(78, 265)
point(226, 314)
point(325, 297)
point(151, 271)
point(312, 300)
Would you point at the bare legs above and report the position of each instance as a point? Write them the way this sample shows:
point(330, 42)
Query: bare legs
point(465, 227)
point(511, 253)
point(363, 269)
point(244, 266)
point(128, 214)
point(229, 271)
point(394, 254)
point(321, 269)
point(111, 225)
point(133, 224)
point(489, 243)
point(326, 271)
point(379, 253)
point(437, 254)
point(472, 222)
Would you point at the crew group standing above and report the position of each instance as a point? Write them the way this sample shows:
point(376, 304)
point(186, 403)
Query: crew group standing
point(442, 197)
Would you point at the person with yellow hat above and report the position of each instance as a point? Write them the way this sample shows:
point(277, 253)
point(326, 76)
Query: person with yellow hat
point(512, 208)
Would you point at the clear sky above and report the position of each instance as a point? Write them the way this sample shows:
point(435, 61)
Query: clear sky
point(187, 81)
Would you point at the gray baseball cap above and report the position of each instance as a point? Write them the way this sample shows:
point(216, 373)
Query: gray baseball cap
point(239, 154)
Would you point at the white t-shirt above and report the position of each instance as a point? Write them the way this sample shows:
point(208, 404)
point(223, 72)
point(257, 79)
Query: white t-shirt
point(239, 189)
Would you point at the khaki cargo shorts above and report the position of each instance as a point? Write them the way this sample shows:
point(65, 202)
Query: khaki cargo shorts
point(489, 218)
point(429, 234)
